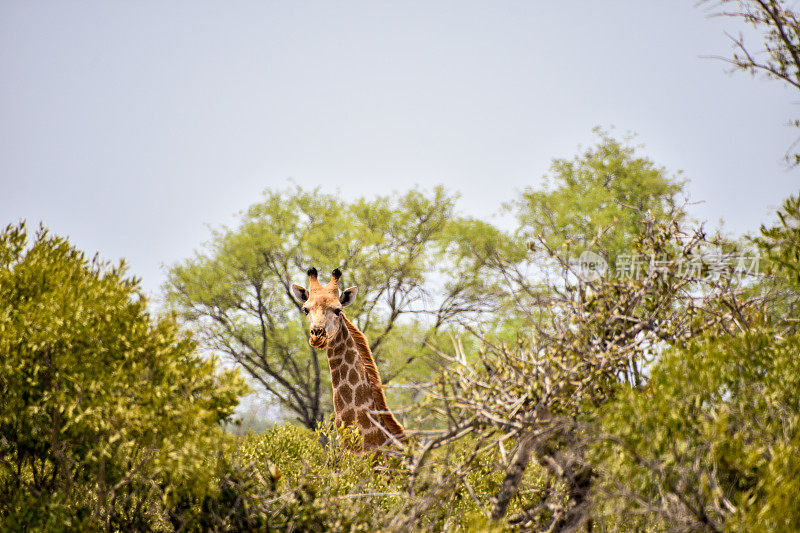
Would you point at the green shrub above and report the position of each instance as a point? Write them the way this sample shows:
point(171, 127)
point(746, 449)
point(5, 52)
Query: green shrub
point(108, 415)
point(711, 443)
point(286, 479)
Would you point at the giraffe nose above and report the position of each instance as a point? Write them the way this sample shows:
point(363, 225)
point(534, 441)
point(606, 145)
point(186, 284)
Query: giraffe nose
point(318, 331)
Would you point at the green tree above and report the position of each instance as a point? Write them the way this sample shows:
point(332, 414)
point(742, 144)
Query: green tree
point(414, 262)
point(600, 199)
point(105, 411)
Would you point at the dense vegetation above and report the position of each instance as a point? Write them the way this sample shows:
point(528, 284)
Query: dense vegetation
point(109, 417)
point(658, 390)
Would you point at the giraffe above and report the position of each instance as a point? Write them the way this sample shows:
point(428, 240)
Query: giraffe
point(358, 398)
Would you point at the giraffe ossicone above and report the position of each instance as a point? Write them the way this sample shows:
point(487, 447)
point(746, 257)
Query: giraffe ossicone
point(358, 397)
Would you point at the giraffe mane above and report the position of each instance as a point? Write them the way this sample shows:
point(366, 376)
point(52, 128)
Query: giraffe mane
point(388, 419)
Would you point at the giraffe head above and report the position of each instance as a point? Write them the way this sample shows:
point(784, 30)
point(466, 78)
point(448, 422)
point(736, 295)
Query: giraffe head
point(323, 305)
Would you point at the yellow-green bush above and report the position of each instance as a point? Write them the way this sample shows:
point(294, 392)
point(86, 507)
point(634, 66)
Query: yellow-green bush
point(287, 479)
point(108, 416)
point(712, 443)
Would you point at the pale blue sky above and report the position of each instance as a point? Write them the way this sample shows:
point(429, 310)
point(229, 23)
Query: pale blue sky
point(131, 126)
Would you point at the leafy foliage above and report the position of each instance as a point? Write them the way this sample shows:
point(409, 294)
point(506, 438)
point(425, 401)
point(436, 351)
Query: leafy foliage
point(780, 252)
point(721, 418)
point(600, 197)
point(285, 479)
point(106, 413)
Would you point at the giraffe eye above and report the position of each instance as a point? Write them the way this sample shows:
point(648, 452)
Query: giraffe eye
point(337, 310)
point(305, 310)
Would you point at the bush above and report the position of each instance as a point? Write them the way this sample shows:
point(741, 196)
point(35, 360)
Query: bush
point(711, 443)
point(285, 479)
point(108, 415)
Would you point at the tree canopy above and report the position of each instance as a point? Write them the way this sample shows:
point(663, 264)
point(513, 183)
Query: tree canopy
point(600, 198)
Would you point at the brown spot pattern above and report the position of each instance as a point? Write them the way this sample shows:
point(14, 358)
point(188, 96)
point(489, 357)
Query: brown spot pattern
point(346, 393)
point(362, 394)
point(350, 357)
point(348, 417)
point(352, 377)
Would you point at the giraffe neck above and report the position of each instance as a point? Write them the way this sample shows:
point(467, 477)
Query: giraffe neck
point(357, 391)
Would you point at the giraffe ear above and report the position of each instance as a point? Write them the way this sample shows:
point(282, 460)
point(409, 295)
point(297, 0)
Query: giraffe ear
point(300, 293)
point(348, 296)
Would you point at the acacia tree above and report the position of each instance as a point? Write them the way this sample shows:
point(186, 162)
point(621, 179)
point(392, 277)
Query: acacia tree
point(580, 340)
point(600, 201)
point(531, 406)
point(588, 344)
point(398, 251)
